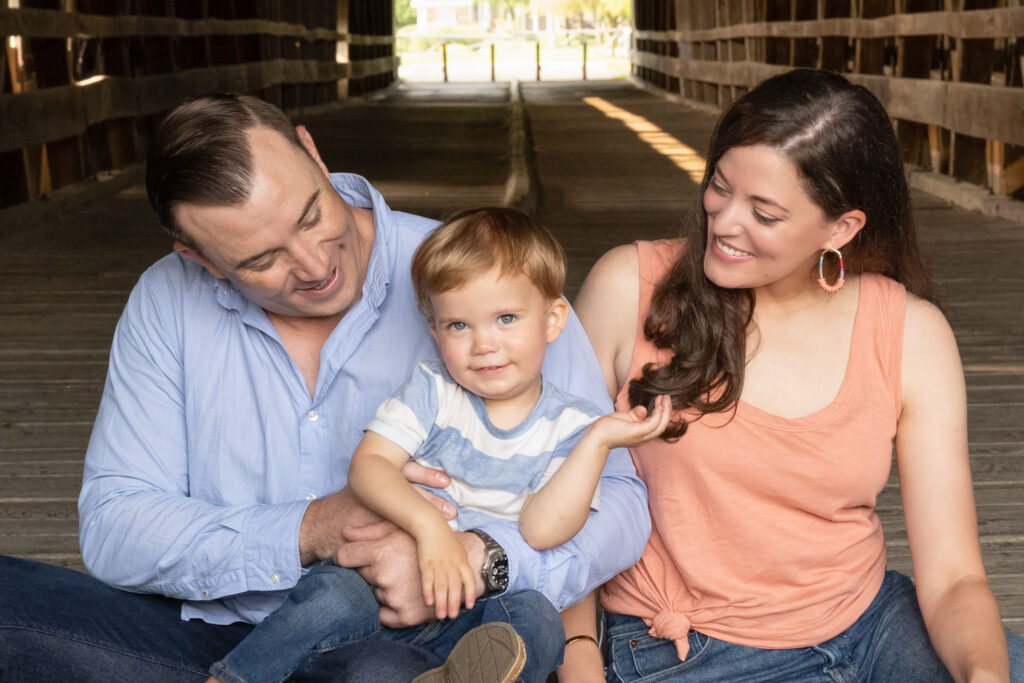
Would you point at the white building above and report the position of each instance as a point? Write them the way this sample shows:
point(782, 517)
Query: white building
point(434, 14)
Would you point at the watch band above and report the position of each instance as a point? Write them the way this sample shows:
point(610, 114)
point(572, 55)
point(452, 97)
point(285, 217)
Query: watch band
point(494, 570)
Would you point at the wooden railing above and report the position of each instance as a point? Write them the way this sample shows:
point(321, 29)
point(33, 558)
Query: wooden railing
point(83, 89)
point(948, 72)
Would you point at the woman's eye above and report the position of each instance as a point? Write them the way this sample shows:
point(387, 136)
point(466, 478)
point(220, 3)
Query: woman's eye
point(506, 318)
point(765, 220)
point(718, 189)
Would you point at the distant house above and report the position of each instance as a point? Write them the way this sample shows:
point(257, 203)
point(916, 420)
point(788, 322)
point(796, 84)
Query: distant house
point(435, 14)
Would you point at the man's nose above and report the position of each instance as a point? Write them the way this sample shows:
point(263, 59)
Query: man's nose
point(311, 263)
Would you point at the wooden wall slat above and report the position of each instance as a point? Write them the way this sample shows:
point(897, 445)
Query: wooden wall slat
point(55, 113)
point(944, 103)
point(92, 85)
point(993, 23)
point(42, 23)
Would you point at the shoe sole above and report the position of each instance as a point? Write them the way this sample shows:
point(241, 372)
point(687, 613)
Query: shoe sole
point(472, 659)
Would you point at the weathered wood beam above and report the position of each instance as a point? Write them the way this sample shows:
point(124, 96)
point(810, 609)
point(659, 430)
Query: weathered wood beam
point(1006, 22)
point(40, 23)
point(948, 104)
point(57, 113)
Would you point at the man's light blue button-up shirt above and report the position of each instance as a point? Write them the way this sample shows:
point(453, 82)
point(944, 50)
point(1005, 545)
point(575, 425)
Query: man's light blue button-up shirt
point(207, 447)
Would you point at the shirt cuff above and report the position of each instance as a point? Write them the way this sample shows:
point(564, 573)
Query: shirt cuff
point(270, 536)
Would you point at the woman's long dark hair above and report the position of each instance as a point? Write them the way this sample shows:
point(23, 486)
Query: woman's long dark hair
point(839, 138)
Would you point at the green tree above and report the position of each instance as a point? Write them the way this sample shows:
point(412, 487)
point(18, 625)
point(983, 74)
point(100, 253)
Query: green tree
point(404, 13)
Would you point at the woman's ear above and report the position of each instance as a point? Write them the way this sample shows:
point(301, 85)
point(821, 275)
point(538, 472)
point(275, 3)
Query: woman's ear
point(845, 228)
point(558, 316)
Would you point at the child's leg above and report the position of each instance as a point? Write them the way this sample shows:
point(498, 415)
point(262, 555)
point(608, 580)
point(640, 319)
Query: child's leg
point(537, 622)
point(534, 619)
point(330, 606)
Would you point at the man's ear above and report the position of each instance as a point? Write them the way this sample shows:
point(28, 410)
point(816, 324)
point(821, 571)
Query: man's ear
point(307, 141)
point(845, 228)
point(197, 256)
point(558, 316)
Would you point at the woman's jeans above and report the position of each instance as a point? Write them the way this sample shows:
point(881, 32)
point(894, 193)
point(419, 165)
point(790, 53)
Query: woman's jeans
point(57, 624)
point(332, 607)
point(887, 643)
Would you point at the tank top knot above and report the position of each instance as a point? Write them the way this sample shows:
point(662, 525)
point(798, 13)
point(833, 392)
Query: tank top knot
point(674, 626)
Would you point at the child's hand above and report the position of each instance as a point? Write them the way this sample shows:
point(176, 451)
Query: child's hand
point(628, 429)
point(445, 572)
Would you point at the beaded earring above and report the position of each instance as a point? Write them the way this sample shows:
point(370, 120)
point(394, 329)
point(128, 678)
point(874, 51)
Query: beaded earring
point(831, 289)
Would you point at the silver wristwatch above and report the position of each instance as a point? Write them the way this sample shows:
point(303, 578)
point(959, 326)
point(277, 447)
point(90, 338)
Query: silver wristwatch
point(495, 567)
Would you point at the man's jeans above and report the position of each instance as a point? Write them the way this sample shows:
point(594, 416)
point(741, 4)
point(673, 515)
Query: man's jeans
point(58, 624)
point(332, 607)
point(887, 643)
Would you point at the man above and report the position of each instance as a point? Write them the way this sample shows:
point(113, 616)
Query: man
point(242, 373)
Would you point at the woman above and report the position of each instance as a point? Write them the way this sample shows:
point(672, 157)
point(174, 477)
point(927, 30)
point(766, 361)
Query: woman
point(793, 330)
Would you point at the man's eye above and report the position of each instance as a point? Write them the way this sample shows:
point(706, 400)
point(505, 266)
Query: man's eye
point(259, 266)
point(506, 318)
point(314, 219)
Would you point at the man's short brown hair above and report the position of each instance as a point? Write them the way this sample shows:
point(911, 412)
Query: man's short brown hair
point(200, 154)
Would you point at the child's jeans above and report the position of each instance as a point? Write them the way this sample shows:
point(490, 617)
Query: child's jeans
point(331, 607)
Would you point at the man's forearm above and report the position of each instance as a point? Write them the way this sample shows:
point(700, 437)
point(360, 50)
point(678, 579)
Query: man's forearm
point(612, 540)
point(153, 542)
point(321, 531)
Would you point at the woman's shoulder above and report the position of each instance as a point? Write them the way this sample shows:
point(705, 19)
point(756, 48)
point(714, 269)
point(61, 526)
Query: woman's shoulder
point(655, 257)
point(616, 268)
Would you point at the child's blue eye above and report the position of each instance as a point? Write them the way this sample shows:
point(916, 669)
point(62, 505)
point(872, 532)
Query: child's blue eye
point(457, 325)
point(506, 318)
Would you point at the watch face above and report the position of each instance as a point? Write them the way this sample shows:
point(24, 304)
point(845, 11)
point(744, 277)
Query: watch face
point(498, 575)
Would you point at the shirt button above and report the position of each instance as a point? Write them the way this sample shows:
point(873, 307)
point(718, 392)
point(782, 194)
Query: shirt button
point(275, 579)
point(310, 496)
point(312, 415)
point(205, 593)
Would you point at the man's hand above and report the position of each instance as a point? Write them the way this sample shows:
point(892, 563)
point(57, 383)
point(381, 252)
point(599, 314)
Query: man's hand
point(386, 558)
point(321, 534)
point(416, 473)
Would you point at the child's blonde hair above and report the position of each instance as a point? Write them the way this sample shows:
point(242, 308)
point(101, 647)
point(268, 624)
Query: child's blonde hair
point(472, 242)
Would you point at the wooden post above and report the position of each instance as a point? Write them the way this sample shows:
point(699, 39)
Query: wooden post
point(492, 62)
point(584, 60)
point(444, 61)
point(538, 60)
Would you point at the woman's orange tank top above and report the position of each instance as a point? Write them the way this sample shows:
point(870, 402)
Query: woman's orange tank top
point(764, 528)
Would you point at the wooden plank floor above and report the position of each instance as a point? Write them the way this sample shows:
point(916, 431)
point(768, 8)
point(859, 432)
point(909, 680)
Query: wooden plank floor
point(66, 275)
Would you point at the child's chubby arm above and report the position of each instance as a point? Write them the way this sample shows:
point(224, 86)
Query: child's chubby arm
point(376, 479)
point(557, 512)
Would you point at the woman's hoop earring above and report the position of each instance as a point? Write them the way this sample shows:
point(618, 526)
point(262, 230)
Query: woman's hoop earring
point(831, 289)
